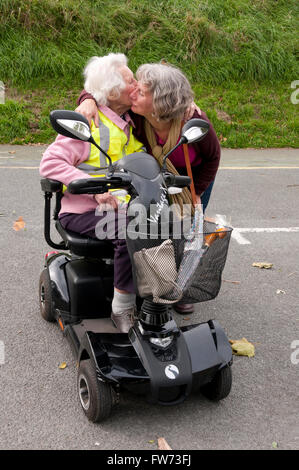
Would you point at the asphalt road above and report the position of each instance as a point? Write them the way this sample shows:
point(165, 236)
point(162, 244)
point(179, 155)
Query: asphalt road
point(39, 408)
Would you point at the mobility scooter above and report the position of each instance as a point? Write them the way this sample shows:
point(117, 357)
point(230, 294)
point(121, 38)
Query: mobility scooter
point(156, 358)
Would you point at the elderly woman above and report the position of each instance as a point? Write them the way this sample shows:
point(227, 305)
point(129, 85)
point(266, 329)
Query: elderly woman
point(110, 82)
point(162, 96)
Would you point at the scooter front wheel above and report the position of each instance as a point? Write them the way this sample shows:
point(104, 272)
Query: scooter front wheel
point(45, 297)
point(220, 386)
point(95, 396)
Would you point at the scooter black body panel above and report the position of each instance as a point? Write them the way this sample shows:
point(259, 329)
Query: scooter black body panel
point(165, 376)
point(56, 268)
point(113, 355)
point(81, 288)
point(209, 350)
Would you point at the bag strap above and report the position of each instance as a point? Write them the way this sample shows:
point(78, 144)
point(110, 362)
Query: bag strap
point(189, 171)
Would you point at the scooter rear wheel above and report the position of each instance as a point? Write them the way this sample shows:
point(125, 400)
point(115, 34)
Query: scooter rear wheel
point(220, 386)
point(95, 397)
point(45, 297)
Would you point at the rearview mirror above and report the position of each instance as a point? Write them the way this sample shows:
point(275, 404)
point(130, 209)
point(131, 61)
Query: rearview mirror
point(194, 130)
point(74, 125)
point(70, 124)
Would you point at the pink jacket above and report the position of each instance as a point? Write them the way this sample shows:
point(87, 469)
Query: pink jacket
point(59, 162)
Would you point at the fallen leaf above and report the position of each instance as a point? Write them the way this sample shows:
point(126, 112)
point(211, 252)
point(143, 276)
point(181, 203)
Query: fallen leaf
point(163, 445)
point(263, 265)
point(279, 291)
point(12, 151)
point(186, 318)
point(19, 224)
point(62, 365)
point(274, 445)
point(242, 347)
point(151, 441)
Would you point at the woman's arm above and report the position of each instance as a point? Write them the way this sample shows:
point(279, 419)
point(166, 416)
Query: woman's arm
point(208, 151)
point(84, 95)
point(61, 158)
point(88, 107)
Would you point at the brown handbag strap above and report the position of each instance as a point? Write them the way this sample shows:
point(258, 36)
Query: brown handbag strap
point(189, 171)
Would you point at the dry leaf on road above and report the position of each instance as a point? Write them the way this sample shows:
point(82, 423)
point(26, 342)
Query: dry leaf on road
point(263, 265)
point(242, 347)
point(62, 365)
point(19, 224)
point(163, 445)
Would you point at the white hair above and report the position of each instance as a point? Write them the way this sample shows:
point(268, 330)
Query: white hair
point(103, 77)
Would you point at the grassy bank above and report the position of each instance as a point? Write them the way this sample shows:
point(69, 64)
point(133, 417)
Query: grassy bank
point(240, 57)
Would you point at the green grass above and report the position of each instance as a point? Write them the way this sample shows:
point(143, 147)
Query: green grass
point(24, 118)
point(243, 114)
point(251, 115)
point(239, 55)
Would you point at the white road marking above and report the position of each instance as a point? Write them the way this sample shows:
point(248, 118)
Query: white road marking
point(269, 229)
point(236, 234)
point(19, 167)
point(258, 168)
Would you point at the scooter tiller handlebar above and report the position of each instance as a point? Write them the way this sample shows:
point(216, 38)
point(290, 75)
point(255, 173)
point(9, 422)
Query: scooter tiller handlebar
point(98, 185)
point(176, 180)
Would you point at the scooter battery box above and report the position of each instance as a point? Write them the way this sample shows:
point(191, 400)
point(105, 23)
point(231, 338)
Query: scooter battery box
point(90, 285)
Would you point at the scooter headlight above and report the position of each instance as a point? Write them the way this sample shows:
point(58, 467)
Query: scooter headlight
point(161, 342)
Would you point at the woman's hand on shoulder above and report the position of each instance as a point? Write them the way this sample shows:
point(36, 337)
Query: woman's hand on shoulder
point(190, 111)
point(89, 110)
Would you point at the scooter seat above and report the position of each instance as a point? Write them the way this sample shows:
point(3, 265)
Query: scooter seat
point(85, 246)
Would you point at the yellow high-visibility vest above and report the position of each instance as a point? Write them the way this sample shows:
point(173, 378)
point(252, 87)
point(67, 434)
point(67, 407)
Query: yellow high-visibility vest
point(114, 142)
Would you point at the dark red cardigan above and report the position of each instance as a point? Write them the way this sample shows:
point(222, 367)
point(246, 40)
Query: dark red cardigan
point(207, 149)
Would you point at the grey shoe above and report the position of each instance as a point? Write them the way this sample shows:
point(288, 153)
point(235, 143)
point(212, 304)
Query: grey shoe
point(124, 320)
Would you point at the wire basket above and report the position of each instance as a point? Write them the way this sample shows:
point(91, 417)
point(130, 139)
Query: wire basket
point(167, 270)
